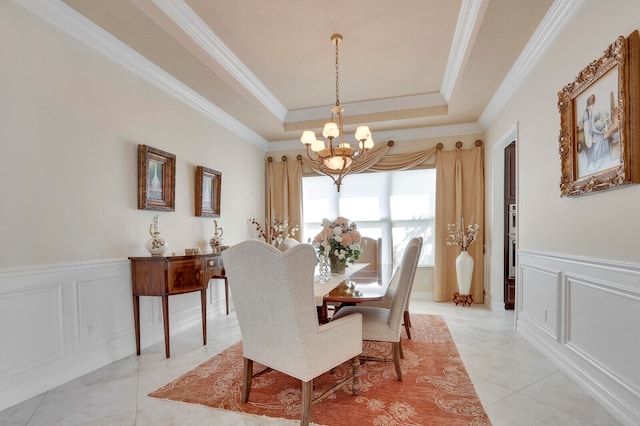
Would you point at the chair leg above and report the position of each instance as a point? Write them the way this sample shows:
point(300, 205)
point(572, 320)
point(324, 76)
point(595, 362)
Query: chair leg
point(248, 373)
point(307, 394)
point(407, 323)
point(355, 370)
point(396, 359)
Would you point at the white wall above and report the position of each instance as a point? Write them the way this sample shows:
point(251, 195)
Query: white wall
point(578, 294)
point(70, 123)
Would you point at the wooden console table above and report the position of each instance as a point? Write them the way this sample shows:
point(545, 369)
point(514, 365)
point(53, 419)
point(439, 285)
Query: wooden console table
point(168, 275)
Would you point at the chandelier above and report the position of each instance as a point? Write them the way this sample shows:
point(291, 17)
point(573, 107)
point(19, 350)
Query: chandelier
point(336, 161)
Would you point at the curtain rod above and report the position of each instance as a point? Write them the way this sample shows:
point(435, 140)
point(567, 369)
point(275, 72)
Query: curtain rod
point(459, 144)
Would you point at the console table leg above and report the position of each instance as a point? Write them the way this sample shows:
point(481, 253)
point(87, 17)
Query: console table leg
point(165, 320)
point(136, 321)
point(203, 303)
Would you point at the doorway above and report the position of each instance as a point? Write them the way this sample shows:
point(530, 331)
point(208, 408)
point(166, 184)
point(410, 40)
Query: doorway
point(510, 222)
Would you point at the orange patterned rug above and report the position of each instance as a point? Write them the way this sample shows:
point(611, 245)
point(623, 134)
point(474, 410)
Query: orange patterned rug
point(436, 388)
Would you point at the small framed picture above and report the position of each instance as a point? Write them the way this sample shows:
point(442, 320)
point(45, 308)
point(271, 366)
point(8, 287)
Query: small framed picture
point(156, 179)
point(599, 122)
point(208, 184)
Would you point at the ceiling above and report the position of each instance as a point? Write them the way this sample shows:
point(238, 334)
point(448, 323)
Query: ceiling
point(270, 65)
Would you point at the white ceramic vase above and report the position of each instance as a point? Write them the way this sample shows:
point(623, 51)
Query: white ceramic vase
point(464, 273)
point(156, 245)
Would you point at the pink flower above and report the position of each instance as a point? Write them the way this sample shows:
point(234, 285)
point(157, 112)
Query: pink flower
point(342, 221)
point(346, 239)
point(356, 237)
point(327, 233)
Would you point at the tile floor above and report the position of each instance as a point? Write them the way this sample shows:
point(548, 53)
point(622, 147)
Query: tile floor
point(517, 385)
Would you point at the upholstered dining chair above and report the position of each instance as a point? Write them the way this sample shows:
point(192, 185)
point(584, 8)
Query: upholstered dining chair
point(274, 299)
point(388, 297)
point(385, 324)
point(371, 252)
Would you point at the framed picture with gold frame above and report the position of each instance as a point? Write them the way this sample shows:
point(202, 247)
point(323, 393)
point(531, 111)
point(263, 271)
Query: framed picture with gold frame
point(208, 184)
point(156, 179)
point(599, 122)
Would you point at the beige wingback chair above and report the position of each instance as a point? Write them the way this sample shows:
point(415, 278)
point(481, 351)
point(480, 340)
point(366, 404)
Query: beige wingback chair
point(385, 324)
point(371, 252)
point(274, 300)
point(388, 297)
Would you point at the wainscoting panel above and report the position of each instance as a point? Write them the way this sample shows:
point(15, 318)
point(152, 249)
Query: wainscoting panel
point(59, 322)
point(98, 322)
point(597, 338)
point(539, 297)
point(30, 319)
point(592, 334)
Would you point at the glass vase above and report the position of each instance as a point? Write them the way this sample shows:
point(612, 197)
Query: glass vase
point(337, 267)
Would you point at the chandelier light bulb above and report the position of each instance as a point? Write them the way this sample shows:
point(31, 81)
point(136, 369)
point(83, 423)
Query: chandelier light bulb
point(337, 162)
point(368, 143)
point(362, 133)
point(317, 146)
point(308, 137)
point(330, 130)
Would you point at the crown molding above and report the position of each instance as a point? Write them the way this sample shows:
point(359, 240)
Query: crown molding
point(201, 33)
point(469, 20)
point(374, 106)
point(396, 135)
point(66, 19)
point(560, 13)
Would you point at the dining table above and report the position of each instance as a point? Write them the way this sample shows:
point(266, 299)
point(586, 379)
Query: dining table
point(359, 283)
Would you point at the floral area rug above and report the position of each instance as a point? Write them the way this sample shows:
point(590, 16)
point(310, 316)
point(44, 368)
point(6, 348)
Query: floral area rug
point(436, 389)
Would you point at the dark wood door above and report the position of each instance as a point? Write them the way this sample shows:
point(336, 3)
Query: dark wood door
point(510, 222)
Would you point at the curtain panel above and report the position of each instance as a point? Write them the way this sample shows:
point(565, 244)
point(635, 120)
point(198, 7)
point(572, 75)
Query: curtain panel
point(459, 194)
point(283, 192)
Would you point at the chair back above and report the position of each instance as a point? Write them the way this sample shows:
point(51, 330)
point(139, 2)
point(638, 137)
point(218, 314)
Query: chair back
point(406, 274)
point(371, 252)
point(273, 296)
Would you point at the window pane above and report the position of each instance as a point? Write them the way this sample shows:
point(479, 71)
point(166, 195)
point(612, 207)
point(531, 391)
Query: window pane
point(360, 196)
point(401, 237)
point(360, 208)
point(394, 206)
point(414, 206)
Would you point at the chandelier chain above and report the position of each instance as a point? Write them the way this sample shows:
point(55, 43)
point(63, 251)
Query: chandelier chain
point(337, 76)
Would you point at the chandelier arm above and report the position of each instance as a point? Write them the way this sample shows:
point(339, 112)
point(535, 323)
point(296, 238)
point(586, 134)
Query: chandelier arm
point(315, 155)
point(361, 151)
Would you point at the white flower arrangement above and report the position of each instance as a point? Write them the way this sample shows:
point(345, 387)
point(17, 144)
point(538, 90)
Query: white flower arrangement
point(461, 236)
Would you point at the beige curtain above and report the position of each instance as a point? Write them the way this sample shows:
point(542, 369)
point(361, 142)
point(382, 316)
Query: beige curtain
point(459, 194)
point(283, 192)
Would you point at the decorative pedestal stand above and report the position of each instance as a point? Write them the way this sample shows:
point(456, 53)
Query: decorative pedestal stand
point(462, 298)
point(464, 273)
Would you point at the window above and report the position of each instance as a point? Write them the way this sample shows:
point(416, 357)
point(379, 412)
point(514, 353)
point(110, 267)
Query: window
point(396, 206)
